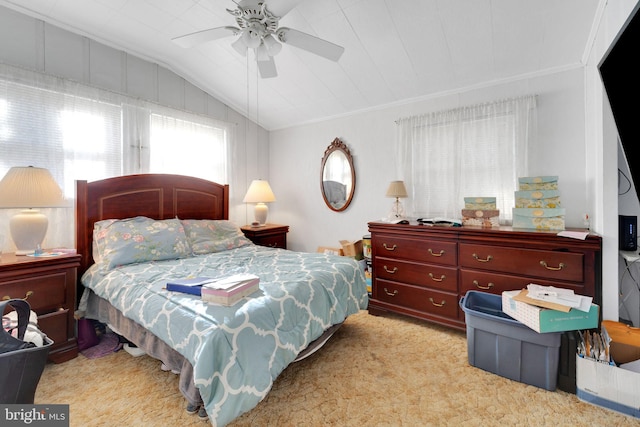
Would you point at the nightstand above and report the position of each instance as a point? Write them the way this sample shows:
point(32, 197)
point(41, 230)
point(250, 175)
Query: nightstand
point(272, 235)
point(49, 286)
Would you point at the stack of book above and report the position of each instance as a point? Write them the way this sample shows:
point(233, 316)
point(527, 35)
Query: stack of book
point(225, 291)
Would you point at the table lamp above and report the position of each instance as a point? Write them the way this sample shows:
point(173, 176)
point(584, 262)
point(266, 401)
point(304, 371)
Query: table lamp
point(259, 192)
point(29, 188)
point(397, 189)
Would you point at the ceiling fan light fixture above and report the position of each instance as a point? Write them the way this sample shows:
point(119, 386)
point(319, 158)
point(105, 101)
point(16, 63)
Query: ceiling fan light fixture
point(272, 45)
point(261, 53)
point(251, 38)
point(240, 46)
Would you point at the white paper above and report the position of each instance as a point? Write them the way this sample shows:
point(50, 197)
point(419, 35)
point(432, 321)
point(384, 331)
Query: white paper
point(560, 296)
point(580, 235)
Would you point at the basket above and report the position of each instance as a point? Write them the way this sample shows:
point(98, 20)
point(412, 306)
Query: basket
point(21, 368)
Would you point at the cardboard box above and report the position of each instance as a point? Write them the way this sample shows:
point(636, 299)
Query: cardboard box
point(544, 320)
point(539, 219)
point(625, 341)
point(352, 248)
point(608, 386)
point(329, 250)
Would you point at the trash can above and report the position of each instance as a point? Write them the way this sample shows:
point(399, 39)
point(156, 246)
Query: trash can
point(21, 368)
point(499, 344)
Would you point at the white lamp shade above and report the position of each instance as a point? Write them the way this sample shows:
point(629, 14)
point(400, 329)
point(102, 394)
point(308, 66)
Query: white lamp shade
point(259, 192)
point(30, 187)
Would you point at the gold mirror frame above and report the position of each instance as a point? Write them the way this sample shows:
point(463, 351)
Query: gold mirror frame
point(337, 176)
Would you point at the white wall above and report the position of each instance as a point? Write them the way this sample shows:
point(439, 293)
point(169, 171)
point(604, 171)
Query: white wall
point(35, 45)
point(296, 154)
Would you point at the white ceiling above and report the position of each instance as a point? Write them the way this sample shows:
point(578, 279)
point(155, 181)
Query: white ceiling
point(395, 50)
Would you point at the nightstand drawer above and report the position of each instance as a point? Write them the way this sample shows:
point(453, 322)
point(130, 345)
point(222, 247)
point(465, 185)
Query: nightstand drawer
point(43, 292)
point(54, 325)
point(279, 241)
point(49, 286)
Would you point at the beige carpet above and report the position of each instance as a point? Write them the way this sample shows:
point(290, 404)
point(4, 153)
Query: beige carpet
point(376, 371)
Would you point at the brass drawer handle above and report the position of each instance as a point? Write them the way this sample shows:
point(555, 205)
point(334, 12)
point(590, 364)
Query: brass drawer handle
point(27, 295)
point(559, 267)
point(435, 279)
point(391, 294)
point(477, 258)
point(439, 254)
point(390, 271)
point(489, 285)
point(393, 248)
point(436, 304)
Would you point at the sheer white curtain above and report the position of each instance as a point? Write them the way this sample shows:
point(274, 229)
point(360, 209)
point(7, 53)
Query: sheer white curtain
point(80, 132)
point(475, 151)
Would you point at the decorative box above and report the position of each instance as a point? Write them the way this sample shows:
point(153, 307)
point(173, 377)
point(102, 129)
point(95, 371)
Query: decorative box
point(486, 203)
point(481, 217)
point(539, 219)
point(548, 199)
point(528, 183)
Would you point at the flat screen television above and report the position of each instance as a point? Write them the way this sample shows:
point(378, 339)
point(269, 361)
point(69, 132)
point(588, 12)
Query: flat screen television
point(621, 79)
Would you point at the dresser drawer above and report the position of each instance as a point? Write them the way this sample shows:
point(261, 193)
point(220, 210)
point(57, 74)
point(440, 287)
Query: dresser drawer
point(43, 292)
point(426, 275)
point(495, 283)
point(426, 250)
point(530, 262)
point(417, 298)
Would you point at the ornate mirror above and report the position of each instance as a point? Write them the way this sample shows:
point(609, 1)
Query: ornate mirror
point(338, 177)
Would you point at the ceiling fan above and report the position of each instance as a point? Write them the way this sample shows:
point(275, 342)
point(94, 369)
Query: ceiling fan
point(258, 29)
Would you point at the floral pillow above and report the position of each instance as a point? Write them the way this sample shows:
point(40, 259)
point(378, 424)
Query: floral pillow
point(211, 235)
point(139, 239)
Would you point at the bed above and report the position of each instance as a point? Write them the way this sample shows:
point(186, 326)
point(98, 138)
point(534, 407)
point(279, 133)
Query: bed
point(152, 228)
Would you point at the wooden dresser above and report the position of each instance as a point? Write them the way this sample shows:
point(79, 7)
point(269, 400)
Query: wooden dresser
point(49, 286)
point(423, 271)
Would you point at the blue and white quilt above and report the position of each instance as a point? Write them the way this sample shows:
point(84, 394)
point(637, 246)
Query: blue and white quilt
point(238, 351)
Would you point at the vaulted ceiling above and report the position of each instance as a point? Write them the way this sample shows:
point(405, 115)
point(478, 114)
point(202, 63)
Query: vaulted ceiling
point(395, 50)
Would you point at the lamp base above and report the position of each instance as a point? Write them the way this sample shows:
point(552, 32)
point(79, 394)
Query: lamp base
point(397, 211)
point(28, 229)
point(261, 212)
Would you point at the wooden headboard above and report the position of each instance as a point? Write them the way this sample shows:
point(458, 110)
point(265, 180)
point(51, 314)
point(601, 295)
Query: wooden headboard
point(155, 196)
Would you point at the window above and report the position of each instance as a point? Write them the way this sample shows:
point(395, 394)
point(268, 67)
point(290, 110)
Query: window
point(78, 132)
point(477, 151)
point(187, 148)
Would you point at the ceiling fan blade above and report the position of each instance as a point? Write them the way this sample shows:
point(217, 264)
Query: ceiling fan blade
point(193, 39)
point(267, 68)
point(310, 43)
point(281, 7)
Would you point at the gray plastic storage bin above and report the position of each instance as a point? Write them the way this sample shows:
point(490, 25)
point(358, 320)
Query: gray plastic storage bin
point(500, 344)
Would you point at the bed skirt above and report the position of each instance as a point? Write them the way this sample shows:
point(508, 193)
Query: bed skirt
point(94, 307)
